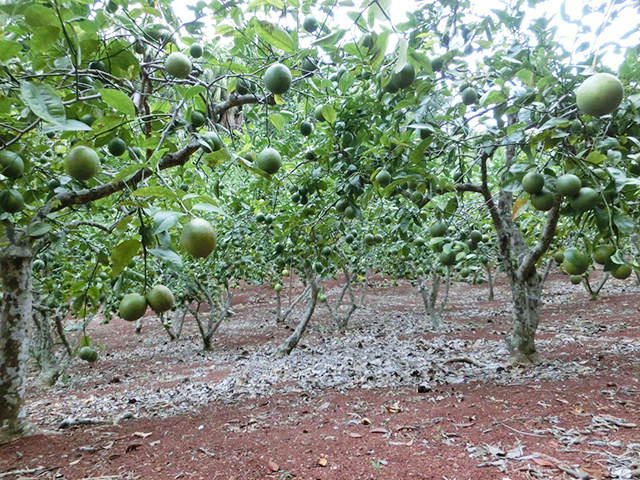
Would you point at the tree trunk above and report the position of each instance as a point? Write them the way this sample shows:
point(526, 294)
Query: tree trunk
point(15, 273)
point(290, 343)
point(526, 315)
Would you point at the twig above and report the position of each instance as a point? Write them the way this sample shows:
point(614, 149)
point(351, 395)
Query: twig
point(520, 432)
point(564, 468)
point(74, 422)
point(27, 471)
point(470, 360)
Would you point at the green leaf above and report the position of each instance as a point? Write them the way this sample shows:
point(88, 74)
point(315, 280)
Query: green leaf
point(122, 255)
point(158, 192)
point(118, 101)
point(217, 158)
point(164, 220)
point(526, 76)
point(329, 114)
point(8, 50)
point(624, 223)
point(40, 16)
point(208, 207)
point(129, 170)
point(66, 126)
point(43, 101)
point(169, 256)
point(277, 120)
point(330, 39)
point(380, 10)
point(38, 229)
point(193, 91)
point(345, 82)
point(275, 36)
point(401, 48)
point(596, 157)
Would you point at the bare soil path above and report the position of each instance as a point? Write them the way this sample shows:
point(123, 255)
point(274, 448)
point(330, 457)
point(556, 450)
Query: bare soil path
point(387, 400)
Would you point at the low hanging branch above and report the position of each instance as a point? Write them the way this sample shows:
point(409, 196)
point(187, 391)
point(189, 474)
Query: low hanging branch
point(290, 343)
point(282, 316)
point(355, 302)
point(218, 311)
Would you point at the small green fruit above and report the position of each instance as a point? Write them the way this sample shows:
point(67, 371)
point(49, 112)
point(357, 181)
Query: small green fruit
point(600, 94)
point(117, 146)
point(278, 78)
point(469, 96)
point(533, 182)
point(568, 185)
point(196, 50)
point(11, 164)
point(269, 160)
point(160, 298)
point(198, 237)
point(82, 163)
point(133, 306)
point(310, 24)
point(178, 65)
point(306, 128)
point(543, 200)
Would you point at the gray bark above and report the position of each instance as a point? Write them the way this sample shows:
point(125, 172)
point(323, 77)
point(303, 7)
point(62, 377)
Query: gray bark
point(290, 343)
point(491, 278)
point(594, 292)
point(282, 316)
point(218, 311)
point(15, 274)
point(519, 262)
point(429, 294)
point(343, 319)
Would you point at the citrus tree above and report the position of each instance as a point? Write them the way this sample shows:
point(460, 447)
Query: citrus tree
point(133, 138)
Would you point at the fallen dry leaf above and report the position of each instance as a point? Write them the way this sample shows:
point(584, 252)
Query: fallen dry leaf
point(75, 462)
point(379, 430)
point(355, 435)
point(273, 466)
point(142, 434)
point(594, 472)
point(394, 407)
point(323, 462)
point(543, 463)
point(365, 421)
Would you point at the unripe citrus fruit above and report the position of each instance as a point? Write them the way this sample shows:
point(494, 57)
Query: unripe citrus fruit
point(11, 201)
point(11, 164)
point(602, 253)
point(475, 236)
point(621, 272)
point(160, 298)
point(575, 262)
point(198, 119)
point(438, 229)
point(585, 200)
point(447, 258)
point(117, 146)
point(88, 354)
point(543, 200)
point(416, 196)
point(196, 50)
point(318, 113)
point(277, 78)
point(568, 185)
point(383, 178)
point(310, 24)
point(82, 163)
point(469, 96)
point(178, 65)
point(558, 257)
point(600, 94)
point(533, 182)
point(269, 160)
point(213, 140)
point(285, 273)
point(277, 287)
point(576, 279)
point(322, 297)
point(405, 77)
point(350, 212)
point(369, 239)
point(132, 307)
point(244, 86)
point(309, 65)
point(306, 128)
point(198, 237)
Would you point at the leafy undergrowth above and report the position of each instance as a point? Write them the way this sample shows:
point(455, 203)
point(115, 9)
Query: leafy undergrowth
point(387, 399)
